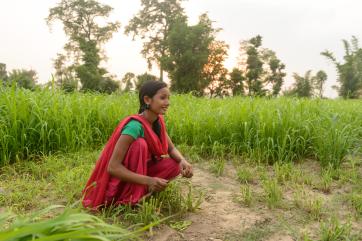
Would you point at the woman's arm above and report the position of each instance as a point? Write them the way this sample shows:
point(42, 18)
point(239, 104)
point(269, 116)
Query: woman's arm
point(118, 170)
point(115, 166)
point(186, 168)
point(173, 152)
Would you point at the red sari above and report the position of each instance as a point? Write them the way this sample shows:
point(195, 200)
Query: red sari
point(102, 188)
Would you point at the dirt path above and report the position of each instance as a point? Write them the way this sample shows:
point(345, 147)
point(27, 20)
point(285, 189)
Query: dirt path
point(223, 217)
point(219, 216)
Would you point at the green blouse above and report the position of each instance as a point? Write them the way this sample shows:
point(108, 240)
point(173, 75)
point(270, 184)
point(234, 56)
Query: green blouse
point(133, 128)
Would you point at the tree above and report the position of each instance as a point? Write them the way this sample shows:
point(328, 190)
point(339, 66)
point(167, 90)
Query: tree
point(129, 80)
point(108, 85)
point(303, 86)
point(85, 38)
point(3, 73)
point(275, 75)
point(253, 66)
point(307, 85)
point(153, 25)
point(319, 81)
point(235, 82)
point(188, 54)
point(65, 76)
point(89, 73)
point(23, 78)
point(263, 71)
point(349, 71)
point(142, 78)
point(214, 71)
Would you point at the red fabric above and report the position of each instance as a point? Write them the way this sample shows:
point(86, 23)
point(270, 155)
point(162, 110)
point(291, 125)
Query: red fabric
point(137, 160)
point(101, 186)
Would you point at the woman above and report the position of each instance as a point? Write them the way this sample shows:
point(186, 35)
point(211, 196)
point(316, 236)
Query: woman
point(134, 162)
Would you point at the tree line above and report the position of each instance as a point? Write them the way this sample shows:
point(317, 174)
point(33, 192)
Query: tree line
point(191, 55)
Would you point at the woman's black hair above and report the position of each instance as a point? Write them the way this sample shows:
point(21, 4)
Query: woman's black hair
point(149, 89)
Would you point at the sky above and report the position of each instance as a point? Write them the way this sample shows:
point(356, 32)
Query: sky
point(297, 30)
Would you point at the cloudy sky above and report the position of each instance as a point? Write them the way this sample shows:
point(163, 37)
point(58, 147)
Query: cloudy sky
point(297, 30)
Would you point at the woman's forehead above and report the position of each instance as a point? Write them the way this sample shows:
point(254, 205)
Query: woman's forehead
point(164, 90)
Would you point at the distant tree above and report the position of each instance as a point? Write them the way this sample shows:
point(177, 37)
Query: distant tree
point(65, 76)
point(214, 71)
point(23, 78)
point(141, 79)
point(260, 68)
point(303, 86)
point(3, 74)
point(253, 66)
point(153, 25)
point(349, 71)
point(275, 73)
point(90, 74)
point(319, 81)
point(236, 80)
point(108, 85)
point(129, 80)
point(290, 92)
point(85, 39)
point(188, 54)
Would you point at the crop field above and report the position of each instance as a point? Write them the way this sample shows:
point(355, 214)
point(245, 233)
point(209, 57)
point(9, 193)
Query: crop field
point(264, 168)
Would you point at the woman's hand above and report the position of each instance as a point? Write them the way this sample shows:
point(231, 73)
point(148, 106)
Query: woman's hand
point(186, 169)
point(156, 184)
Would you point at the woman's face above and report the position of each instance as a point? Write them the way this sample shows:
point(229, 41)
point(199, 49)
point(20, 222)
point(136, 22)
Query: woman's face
point(160, 101)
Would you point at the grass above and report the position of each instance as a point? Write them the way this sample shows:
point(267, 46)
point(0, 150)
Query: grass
point(283, 171)
point(260, 231)
point(349, 172)
point(263, 130)
point(313, 206)
point(167, 206)
point(60, 179)
point(326, 182)
point(356, 202)
point(272, 192)
point(217, 166)
point(301, 177)
point(148, 211)
point(191, 202)
point(69, 224)
point(246, 195)
point(334, 141)
point(333, 230)
point(180, 225)
point(328, 174)
point(176, 200)
point(49, 177)
point(281, 132)
point(299, 196)
point(245, 175)
point(44, 122)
